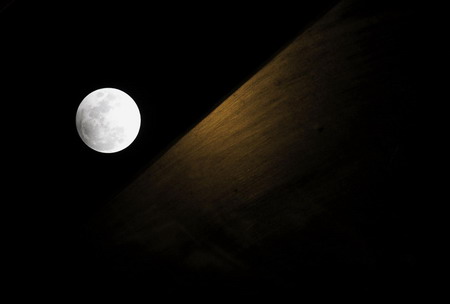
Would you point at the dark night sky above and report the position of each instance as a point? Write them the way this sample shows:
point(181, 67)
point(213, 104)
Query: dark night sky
point(177, 60)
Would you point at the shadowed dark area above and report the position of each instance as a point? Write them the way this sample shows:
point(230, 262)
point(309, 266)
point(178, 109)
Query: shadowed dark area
point(280, 153)
point(298, 181)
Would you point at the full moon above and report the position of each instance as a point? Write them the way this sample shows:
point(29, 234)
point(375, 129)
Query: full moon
point(108, 120)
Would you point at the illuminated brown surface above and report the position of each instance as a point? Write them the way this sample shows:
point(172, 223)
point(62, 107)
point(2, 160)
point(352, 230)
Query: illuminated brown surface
point(296, 179)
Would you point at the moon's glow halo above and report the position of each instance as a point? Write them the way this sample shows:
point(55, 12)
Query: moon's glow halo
point(108, 120)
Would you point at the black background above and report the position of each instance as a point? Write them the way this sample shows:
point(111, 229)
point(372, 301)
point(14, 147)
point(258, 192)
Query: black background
point(176, 60)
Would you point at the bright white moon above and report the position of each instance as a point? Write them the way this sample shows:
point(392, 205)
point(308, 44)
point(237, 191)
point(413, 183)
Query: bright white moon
point(108, 120)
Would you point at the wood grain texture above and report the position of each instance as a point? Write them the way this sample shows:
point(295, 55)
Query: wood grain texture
point(292, 180)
